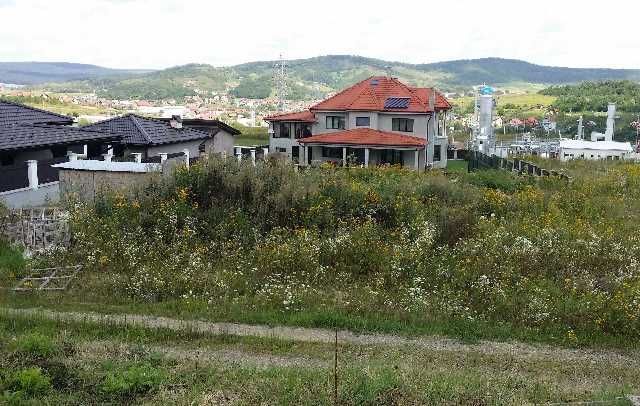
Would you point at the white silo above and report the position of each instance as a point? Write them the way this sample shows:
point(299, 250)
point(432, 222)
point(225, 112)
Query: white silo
point(485, 136)
point(611, 122)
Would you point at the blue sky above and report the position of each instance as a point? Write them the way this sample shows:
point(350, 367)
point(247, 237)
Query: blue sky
point(162, 33)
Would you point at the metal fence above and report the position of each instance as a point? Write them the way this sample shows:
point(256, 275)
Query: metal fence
point(477, 160)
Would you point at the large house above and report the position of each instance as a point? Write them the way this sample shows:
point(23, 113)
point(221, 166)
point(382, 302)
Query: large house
point(28, 133)
point(152, 137)
point(375, 122)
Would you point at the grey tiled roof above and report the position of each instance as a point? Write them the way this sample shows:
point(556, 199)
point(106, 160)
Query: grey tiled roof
point(137, 130)
point(13, 113)
point(25, 136)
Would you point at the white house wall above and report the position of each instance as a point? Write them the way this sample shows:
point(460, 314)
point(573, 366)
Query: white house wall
point(192, 146)
point(587, 154)
point(222, 142)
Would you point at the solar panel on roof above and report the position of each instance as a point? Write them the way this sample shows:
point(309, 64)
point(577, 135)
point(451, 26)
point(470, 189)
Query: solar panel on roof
point(396, 103)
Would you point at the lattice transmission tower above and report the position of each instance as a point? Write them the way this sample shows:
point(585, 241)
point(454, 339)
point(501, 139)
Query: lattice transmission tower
point(280, 83)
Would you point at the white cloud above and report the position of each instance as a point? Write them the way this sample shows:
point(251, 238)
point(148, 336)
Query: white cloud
point(161, 33)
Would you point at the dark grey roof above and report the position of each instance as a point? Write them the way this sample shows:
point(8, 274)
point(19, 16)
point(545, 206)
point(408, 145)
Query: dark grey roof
point(29, 136)
point(137, 130)
point(200, 123)
point(14, 113)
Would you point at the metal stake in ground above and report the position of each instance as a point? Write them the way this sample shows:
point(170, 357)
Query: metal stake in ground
point(335, 370)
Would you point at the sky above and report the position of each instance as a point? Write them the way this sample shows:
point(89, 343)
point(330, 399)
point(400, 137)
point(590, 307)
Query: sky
point(162, 33)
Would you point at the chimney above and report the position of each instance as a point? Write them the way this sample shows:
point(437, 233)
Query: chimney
point(176, 122)
point(432, 99)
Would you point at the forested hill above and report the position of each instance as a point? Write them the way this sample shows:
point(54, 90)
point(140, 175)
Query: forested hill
point(594, 96)
point(30, 73)
point(314, 77)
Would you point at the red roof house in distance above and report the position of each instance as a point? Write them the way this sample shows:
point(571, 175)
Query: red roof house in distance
point(377, 121)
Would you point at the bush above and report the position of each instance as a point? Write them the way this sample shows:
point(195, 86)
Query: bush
point(29, 382)
point(132, 381)
point(12, 263)
point(36, 345)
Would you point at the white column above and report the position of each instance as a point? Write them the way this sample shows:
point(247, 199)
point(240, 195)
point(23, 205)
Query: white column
point(107, 157)
point(344, 156)
point(185, 152)
point(72, 156)
point(85, 150)
point(305, 159)
point(238, 150)
point(366, 157)
point(110, 149)
point(265, 152)
point(32, 173)
point(137, 157)
point(239, 156)
point(163, 157)
point(253, 157)
point(416, 159)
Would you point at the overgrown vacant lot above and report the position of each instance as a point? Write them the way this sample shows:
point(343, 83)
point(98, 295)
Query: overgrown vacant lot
point(488, 255)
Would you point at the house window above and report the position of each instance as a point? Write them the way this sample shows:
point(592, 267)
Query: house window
point(335, 123)
point(437, 153)
point(281, 150)
point(59, 151)
point(363, 121)
point(7, 159)
point(302, 130)
point(329, 152)
point(402, 124)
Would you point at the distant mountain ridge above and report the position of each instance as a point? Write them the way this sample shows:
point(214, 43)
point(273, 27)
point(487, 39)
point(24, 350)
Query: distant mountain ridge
point(317, 76)
point(33, 73)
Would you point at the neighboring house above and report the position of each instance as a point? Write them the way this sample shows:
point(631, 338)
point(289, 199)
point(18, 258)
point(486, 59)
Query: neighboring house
point(223, 134)
point(377, 121)
point(16, 113)
point(27, 133)
point(152, 137)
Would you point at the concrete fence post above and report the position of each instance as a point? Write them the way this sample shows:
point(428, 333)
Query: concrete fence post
point(265, 152)
point(32, 173)
point(185, 152)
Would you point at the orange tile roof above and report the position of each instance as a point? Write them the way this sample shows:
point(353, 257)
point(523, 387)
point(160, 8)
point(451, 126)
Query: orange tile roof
point(371, 93)
point(301, 116)
point(365, 137)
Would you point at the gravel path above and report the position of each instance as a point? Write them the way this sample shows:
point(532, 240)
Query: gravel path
point(431, 343)
point(109, 349)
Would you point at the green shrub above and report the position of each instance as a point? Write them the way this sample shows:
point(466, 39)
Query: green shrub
point(25, 383)
point(132, 381)
point(12, 263)
point(36, 345)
